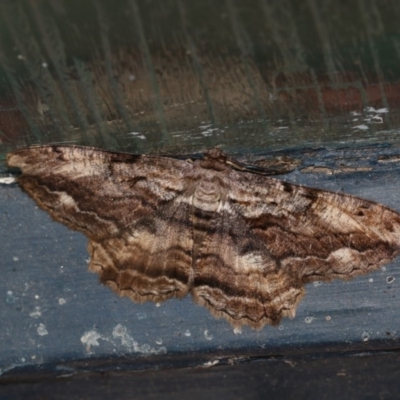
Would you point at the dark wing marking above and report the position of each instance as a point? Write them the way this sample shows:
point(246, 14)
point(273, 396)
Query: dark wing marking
point(97, 192)
point(315, 234)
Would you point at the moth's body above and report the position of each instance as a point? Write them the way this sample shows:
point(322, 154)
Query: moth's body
point(206, 201)
point(241, 243)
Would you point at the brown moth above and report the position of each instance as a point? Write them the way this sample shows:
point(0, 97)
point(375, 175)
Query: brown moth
point(242, 243)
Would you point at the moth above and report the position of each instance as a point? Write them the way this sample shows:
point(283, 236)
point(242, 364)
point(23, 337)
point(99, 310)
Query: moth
point(242, 243)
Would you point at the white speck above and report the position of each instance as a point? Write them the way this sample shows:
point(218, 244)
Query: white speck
point(45, 65)
point(36, 313)
point(61, 301)
point(328, 318)
point(187, 333)
point(41, 330)
point(137, 135)
point(158, 341)
point(7, 180)
point(237, 331)
point(158, 304)
point(131, 77)
point(308, 320)
point(120, 337)
point(208, 132)
point(370, 280)
point(15, 258)
point(37, 296)
point(317, 283)
point(361, 127)
point(90, 338)
point(207, 335)
point(383, 110)
point(365, 336)
point(23, 359)
point(120, 332)
point(210, 363)
point(377, 119)
point(20, 57)
point(355, 113)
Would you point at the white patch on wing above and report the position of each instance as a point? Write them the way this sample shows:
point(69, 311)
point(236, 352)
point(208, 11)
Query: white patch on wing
point(67, 200)
point(344, 255)
point(251, 262)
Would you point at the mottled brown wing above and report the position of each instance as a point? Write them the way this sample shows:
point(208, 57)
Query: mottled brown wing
point(314, 234)
point(125, 205)
point(150, 260)
point(97, 192)
point(237, 279)
point(271, 237)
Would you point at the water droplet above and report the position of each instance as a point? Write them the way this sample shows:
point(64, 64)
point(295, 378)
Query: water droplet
point(365, 336)
point(390, 279)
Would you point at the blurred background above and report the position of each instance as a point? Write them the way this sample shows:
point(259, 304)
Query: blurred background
point(181, 76)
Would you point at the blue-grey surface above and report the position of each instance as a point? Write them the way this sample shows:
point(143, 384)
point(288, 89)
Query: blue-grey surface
point(53, 309)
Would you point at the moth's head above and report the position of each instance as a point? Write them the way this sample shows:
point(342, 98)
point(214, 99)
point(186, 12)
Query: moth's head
point(215, 154)
point(214, 159)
